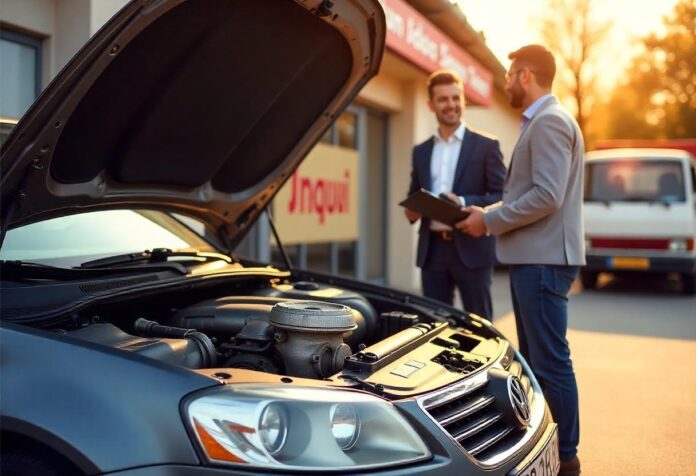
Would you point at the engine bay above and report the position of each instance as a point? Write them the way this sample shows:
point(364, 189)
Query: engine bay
point(305, 330)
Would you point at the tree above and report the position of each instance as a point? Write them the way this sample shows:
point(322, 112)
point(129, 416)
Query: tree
point(658, 98)
point(570, 31)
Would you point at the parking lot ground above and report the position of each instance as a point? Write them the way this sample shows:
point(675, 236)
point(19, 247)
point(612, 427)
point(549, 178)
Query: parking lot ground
point(633, 345)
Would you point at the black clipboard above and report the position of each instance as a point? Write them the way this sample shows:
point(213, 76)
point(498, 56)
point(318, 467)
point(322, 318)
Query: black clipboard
point(431, 206)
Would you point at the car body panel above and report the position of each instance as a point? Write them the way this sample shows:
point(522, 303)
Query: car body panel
point(76, 406)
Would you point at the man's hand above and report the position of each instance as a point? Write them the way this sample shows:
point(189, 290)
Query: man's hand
point(411, 215)
point(453, 198)
point(473, 224)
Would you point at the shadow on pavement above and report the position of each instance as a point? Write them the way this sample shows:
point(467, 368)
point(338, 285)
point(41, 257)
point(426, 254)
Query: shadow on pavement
point(635, 304)
point(659, 285)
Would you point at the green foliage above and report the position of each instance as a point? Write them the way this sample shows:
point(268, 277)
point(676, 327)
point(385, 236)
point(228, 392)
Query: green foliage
point(658, 98)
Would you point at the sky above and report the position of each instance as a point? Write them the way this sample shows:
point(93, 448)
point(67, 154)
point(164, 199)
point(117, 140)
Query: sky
point(509, 24)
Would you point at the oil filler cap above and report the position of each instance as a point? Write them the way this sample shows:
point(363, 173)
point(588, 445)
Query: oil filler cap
point(306, 286)
point(312, 316)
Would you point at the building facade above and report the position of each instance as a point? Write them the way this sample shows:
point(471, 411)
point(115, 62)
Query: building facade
point(339, 213)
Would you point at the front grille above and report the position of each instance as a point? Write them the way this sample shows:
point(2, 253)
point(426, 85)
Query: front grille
point(474, 421)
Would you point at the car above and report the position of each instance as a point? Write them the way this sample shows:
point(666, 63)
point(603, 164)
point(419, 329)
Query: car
point(135, 341)
point(640, 213)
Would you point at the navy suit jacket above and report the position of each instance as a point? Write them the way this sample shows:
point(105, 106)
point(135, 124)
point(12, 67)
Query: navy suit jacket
point(478, 177)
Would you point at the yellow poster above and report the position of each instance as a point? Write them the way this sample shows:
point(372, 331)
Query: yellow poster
point(320, 201)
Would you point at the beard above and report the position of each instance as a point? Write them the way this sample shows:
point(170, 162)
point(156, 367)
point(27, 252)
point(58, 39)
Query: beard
point(449, 119)
point(517, 95)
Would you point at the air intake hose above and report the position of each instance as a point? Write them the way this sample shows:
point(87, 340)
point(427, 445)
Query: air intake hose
point(205, 345)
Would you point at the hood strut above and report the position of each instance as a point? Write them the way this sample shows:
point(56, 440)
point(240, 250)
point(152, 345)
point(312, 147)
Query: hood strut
point(280, 244)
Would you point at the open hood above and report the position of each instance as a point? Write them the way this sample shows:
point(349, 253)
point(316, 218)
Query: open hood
point(203, 107)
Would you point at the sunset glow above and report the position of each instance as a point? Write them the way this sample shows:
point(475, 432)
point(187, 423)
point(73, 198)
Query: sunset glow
point(507, 24)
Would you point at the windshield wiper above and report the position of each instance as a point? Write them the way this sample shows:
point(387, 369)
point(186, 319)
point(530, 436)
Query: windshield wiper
point(18, 270)
point(604, 201)
point(639, 198)
point(631, 199)
point(157, 255)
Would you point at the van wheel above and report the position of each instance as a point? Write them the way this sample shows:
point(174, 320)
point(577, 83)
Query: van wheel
point(688, 284)
point(588, 279)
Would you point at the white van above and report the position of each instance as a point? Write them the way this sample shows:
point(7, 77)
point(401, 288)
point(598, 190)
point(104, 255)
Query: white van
point(640, 213)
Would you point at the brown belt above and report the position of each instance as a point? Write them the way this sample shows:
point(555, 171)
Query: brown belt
point(446, 235)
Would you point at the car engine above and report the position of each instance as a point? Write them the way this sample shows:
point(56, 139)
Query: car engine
point(306, 330)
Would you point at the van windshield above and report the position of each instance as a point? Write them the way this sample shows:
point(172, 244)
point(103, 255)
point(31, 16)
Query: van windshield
point(626, 180)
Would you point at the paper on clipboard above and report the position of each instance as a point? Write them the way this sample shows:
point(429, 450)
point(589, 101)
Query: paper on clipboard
point(433, 207)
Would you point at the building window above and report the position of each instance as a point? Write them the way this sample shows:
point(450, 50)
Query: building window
point(20, 75)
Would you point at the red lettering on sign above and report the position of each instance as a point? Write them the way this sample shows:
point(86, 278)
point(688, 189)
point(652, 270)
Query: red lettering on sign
point(319, 196)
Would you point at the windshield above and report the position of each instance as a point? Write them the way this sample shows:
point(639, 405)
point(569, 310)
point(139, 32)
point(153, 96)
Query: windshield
point(72, 240)
point(635, 180)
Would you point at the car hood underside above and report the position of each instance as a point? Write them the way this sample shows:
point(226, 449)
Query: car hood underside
point(204, 107)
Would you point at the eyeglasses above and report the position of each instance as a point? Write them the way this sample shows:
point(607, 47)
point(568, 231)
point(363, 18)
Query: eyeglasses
point(511, 74)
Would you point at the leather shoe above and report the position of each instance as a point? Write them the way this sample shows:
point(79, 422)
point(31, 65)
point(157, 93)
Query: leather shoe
point(570, 467)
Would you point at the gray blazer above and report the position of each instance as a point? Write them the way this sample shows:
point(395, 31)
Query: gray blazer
point(540, 219)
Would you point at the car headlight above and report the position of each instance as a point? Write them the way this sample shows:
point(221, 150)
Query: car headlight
point(273, 428)
point(301, 428)
point(345, 425)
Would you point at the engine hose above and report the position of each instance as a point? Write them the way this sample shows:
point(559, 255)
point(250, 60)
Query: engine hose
point(205, 346)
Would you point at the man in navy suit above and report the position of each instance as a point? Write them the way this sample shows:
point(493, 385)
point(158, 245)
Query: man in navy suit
point(468, 167)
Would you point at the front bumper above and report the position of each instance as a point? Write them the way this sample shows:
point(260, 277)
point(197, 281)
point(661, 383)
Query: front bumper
point(449, 456)
point(447, 460)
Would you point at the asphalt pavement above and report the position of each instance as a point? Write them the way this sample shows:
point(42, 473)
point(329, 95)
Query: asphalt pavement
point(633, 345)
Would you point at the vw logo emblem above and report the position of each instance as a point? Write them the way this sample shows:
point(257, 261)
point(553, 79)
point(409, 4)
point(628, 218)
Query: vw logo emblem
point(519, 401)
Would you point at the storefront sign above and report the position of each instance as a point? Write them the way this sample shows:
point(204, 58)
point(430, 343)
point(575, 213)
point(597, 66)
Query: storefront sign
point(412, 36)
point(320, 201)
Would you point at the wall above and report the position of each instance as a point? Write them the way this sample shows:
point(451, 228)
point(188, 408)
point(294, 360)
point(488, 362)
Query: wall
point(412, 121)
point(382, 92)
point(71, 30)
point(101, 11)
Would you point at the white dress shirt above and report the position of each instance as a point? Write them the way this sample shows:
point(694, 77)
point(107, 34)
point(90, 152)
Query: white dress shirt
point(443, 164)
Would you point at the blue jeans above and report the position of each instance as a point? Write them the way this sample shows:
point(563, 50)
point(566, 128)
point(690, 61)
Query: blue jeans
point(540, 302)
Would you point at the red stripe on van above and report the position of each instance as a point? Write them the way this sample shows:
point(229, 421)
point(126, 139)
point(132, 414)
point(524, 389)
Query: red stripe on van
point(631, 243)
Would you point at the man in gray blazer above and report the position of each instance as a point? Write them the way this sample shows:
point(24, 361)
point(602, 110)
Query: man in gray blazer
point(538, 226)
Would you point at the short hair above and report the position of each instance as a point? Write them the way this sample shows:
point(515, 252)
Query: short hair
point(443, 76)
point(539, 60)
